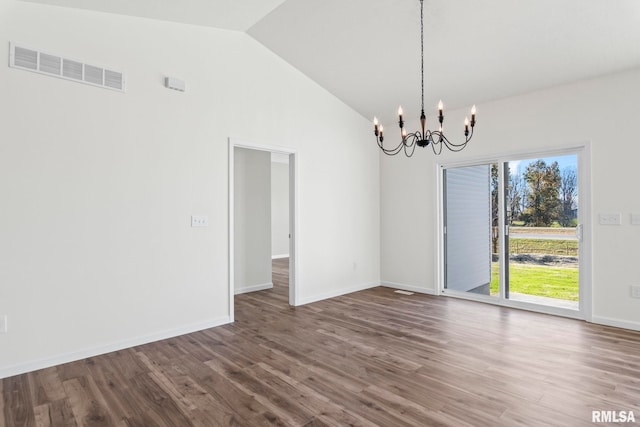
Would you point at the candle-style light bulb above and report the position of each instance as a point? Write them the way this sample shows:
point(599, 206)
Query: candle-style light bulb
point(440, 106)
point(473, 115)
point(404, 133)
point(375, 121)
point(466, 122)
point(381, 129)
point(400, 111)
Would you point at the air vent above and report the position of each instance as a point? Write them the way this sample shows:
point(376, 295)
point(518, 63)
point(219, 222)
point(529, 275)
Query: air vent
point(68, 69)
point(25, 58)
point(72, 69)
point(50, 64)
point(93, 75)
point(112, 79)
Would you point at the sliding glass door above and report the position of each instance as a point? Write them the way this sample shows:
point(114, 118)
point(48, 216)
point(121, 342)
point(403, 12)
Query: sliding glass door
point(511, 231)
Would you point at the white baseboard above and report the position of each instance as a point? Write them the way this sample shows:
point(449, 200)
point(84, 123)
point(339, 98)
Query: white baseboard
point(253, 288)
point(409, 288)
point(333, 294)
point(279, 256)
point(59, 359)
point(618, 323)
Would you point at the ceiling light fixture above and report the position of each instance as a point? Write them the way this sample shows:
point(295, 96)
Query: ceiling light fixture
point(422, 138)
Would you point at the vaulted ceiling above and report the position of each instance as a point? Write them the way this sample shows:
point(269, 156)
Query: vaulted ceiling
point(367, 52)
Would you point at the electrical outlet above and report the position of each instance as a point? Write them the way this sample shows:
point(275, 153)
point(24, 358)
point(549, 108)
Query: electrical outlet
point(610, 219)
point(3, 324)
point(199, 221)
point(635, 291)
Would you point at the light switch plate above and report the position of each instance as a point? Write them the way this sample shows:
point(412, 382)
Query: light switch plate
point(635, 219)
point(610, 219)
point(199, 221)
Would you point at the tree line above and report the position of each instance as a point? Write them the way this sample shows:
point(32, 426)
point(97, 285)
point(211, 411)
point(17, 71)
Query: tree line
point(540, 196)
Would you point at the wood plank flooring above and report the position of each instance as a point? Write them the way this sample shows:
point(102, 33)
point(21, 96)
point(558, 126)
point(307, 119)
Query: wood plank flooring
point(369, 358)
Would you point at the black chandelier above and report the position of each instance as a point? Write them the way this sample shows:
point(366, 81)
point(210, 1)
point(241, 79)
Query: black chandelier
point(422, 138)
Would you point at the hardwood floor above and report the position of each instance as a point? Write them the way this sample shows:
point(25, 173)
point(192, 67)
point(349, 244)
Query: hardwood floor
point(369, 358)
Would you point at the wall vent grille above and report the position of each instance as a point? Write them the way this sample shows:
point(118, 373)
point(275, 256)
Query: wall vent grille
point(68, 69)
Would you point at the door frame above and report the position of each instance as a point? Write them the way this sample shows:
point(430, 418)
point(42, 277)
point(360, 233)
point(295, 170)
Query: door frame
point(293, 217)
point(583, 152)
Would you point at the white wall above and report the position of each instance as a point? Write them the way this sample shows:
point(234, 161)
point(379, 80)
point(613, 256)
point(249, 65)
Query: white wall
point(252, 212)
point(602, 112)
point(279, 209)
point(97, 187)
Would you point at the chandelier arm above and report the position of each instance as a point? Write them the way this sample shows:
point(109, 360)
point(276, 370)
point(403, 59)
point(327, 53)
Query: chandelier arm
point(410, 145)
point(452, 146)
point(390, 151)
point(470, 134)
point(409, 154)
point(436, 146)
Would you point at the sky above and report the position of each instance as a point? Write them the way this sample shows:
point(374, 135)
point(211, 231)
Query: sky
point(570, 160)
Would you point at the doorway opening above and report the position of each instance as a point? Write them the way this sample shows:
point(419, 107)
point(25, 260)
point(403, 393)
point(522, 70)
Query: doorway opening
point(280, 226)
point(512, 232)
point(256, 224)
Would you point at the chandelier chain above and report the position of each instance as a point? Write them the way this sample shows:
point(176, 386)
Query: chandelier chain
point(422, 50)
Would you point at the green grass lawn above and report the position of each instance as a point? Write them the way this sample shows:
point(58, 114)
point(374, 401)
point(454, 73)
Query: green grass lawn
point(519, 245)
point(553, 282)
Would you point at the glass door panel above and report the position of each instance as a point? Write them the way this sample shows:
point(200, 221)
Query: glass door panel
point(469, 232)
point(542, 219)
